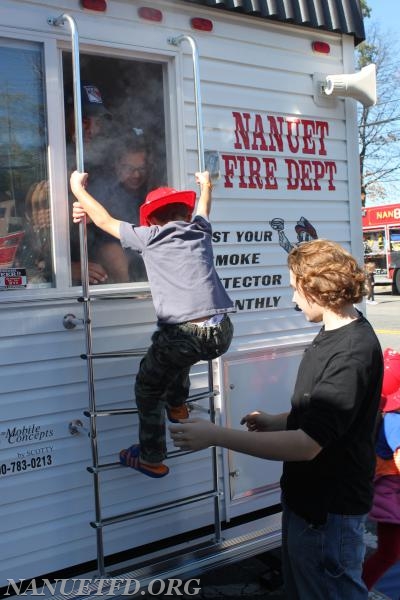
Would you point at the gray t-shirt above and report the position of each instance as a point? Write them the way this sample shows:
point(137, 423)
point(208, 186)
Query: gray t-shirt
point(180, 267)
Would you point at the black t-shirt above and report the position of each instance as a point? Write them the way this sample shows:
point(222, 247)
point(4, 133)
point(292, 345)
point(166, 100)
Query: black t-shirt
point(335, 401)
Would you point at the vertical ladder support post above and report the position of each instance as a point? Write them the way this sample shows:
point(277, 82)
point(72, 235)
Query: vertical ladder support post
point(215, 469)
point(201, 164)
point(196, 79)
point(76, 79)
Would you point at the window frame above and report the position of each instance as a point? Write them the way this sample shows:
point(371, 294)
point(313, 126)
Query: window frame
point(52, 49)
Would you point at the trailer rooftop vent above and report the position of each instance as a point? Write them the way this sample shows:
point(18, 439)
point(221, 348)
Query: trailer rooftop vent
point(150, 14)
point(201, 24)
point(99, 5)
point(321, 47)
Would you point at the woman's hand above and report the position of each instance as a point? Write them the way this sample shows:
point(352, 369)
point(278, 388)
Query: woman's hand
point(193, 434)
point(96, 273)
point(258, 421)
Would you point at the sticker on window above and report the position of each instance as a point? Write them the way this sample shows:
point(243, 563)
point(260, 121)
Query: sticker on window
point(11, 279)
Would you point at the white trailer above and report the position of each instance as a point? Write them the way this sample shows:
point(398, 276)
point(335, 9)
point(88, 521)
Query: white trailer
point(285, 160)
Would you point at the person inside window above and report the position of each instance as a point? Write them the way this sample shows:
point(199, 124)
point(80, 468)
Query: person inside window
point(96, 119)
point(122, 196)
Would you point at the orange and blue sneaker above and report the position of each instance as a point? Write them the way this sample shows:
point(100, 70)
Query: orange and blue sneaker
point(131, 458)
point(177, 413)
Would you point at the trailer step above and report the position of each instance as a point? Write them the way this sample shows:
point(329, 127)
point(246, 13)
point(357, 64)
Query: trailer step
point(183, 563)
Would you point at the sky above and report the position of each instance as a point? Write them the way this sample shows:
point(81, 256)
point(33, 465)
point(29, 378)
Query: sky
point(386, 13)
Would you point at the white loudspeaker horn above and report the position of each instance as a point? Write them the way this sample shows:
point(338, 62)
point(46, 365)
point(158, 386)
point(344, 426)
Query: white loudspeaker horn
point(361, 86)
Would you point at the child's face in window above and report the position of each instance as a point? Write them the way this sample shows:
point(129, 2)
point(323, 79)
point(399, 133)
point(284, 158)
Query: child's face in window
point(132, 170)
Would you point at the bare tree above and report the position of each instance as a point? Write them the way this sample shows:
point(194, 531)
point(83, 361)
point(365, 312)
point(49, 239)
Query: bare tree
point(379, 134)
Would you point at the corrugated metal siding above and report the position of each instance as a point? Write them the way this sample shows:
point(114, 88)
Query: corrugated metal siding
point(269, 75)
point(47, 493)
point(342, 16)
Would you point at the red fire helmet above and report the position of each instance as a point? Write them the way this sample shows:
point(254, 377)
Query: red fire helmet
point(391, 381)
point(163, 196)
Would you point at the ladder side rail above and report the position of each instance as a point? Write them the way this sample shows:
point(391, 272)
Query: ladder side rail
point(201, 164)
point(214, 456)
point(85, 299)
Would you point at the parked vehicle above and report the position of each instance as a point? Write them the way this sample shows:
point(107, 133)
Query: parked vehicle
point(381, 233)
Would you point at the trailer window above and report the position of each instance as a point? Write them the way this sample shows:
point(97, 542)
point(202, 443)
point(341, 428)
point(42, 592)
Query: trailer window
point(25, 223)
point(124, 153)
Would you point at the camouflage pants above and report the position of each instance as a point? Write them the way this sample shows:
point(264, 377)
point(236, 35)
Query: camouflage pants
point(163, 377)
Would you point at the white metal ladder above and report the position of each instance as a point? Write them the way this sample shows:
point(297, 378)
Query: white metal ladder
point(93, 413)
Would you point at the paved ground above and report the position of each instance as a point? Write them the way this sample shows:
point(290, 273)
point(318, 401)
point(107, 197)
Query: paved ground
point(385, 318)
point(259, 578)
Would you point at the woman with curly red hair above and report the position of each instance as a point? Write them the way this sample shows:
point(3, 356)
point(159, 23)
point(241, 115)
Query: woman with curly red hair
point(327, 439)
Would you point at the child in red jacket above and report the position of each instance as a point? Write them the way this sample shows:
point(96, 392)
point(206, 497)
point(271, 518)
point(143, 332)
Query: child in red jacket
point(386, 504)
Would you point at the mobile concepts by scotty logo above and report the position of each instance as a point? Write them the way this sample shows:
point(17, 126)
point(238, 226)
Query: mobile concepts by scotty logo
point(26, 434)
point(71, 588)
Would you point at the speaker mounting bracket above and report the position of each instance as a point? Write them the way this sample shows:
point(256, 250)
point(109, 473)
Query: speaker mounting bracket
point(360, 86)
point(320, 98)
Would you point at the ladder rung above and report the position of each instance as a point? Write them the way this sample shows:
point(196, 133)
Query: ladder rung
point(113, 465)
point(110, 412)
point(154, 509)
point(138, 296)
point(103, 467)
point(201, 395)
point(116, 354)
